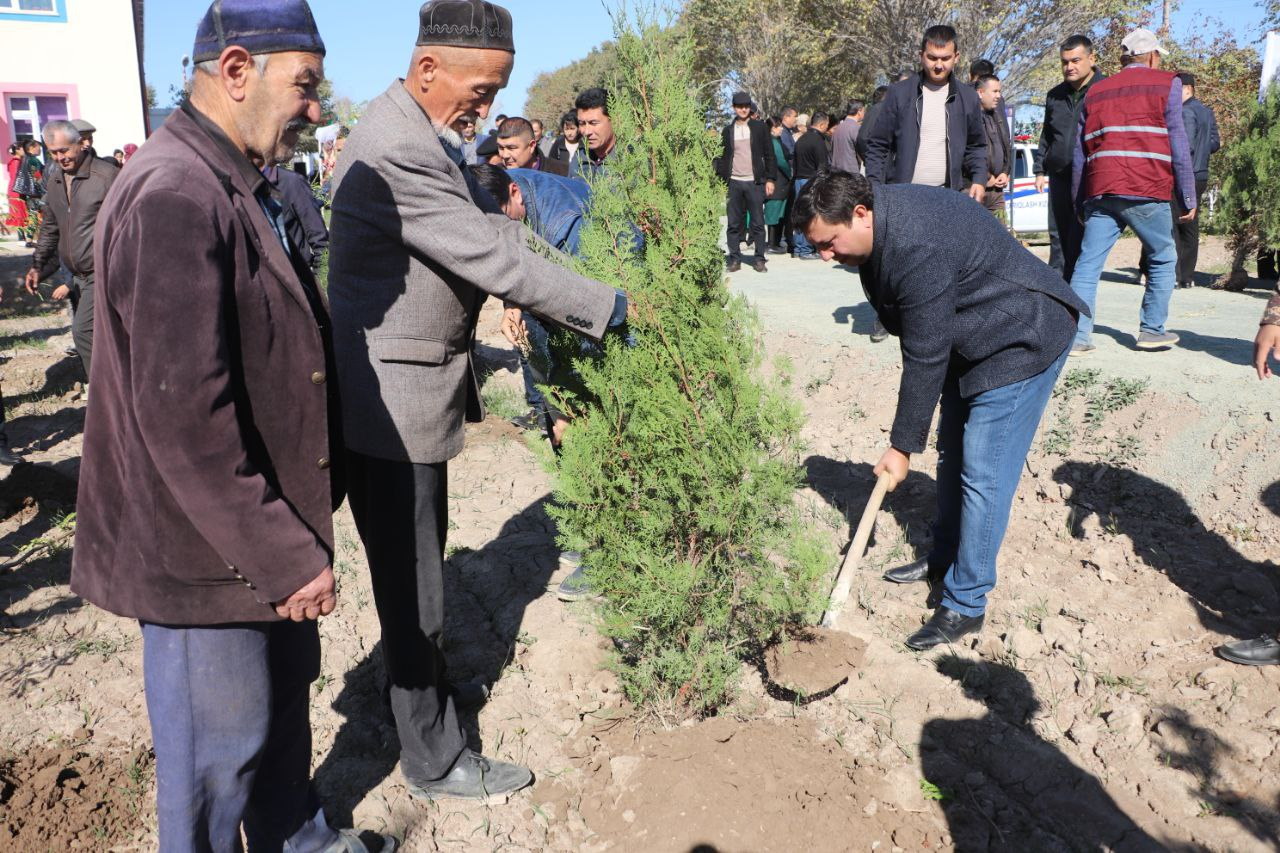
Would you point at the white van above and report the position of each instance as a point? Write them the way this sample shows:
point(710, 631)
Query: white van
point(1027, 209)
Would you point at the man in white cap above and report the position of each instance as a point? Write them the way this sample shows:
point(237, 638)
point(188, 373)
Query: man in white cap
point(1131, 158)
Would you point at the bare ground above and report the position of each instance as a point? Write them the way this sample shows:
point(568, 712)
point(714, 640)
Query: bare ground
point(1089, 715)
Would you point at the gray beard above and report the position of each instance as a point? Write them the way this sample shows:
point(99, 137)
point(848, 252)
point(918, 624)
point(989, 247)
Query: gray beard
point(449, 136)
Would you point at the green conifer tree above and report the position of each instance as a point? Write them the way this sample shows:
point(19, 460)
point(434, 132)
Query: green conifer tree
point(1248, 210)
point(679, 477)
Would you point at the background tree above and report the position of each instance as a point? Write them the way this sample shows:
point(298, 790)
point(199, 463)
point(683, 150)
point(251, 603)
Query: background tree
point(777, 52)
point(552, 93)
point(679, 476)
point(1250, 169)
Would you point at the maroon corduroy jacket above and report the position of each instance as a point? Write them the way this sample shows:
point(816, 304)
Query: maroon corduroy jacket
point(205, 489)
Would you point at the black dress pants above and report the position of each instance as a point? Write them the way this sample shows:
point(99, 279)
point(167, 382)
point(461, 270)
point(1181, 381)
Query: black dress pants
point(745, 197)
point(1065, 231)
point(402, 512)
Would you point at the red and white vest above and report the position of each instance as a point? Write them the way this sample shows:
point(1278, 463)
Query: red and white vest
point(1126, 140)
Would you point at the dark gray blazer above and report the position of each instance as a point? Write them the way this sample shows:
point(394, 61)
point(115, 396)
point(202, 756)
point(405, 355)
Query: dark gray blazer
point(412, 261)
point(964, 296)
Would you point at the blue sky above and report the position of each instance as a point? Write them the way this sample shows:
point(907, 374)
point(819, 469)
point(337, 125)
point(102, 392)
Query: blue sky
point(369, 42)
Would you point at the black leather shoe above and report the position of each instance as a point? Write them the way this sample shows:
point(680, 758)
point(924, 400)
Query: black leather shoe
point(759, 264)
point(733, 265)
point(530, 420)
point(910, 573)
point(474, 777)
point(1264, 651)
point(944, 626)
point(879, 333)
point(8, 458)
point(469, 695)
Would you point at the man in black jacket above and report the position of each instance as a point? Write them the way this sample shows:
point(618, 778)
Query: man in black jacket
point(748, 164)
point(1057, 145)
point(811, 160)
point(303, 223)
point(986, 327)
point(929, 128)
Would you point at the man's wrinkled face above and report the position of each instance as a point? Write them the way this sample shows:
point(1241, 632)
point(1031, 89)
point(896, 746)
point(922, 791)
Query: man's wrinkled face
point(597, 129)
point(68, 155)
point(743, 113)
point(279, 104)
point(1077, 64)
point(989, 95)
point(570, 131)
point(517, 151)
point(467, 81)
point(937, 62)
point(846, 242)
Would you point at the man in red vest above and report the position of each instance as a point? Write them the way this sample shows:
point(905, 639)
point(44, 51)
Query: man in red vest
point(1131, 156)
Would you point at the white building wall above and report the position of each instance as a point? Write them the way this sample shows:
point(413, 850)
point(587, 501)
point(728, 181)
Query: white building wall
point(93, 55)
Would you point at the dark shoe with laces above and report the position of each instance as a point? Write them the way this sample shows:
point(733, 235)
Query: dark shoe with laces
point(474, 777)
point(1264, 651)
point(944, 626)
point(530, 420)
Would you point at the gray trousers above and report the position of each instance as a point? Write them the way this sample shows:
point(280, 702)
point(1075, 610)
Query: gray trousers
point(82, 319)
point(230, 720)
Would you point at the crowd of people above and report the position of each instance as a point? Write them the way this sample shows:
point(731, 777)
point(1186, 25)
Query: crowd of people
point(216, 403)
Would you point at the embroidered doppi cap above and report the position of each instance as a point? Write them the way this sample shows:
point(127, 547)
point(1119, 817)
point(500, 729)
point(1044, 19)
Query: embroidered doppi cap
point(259, 26)
point(741, 99)
point(466, 23)
point(1141, 42)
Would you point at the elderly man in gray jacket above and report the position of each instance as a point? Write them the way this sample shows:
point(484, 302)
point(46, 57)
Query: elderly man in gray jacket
point(412, 261)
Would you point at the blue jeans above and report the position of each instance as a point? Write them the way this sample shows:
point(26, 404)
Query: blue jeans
point(535, 375)
point(1152, 221)
point(799, 245)
point(230, 720)
point(982, 448)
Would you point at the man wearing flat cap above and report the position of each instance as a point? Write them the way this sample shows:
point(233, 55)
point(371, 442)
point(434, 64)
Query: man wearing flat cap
point(211, 452)
point(412, 260)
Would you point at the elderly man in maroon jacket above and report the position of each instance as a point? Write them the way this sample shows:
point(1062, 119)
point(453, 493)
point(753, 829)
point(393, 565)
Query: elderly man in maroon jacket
point(207, 489)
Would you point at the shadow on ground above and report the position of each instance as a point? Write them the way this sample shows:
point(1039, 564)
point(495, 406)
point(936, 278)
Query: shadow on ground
point(1237, 351)
point(486, 594)
point(1231, 594)
point(847, 487)
point(1003, 787)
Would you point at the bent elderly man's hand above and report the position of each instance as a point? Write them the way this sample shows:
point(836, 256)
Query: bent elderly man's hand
point(896, 463)
point(316, 599)
point(513, 328)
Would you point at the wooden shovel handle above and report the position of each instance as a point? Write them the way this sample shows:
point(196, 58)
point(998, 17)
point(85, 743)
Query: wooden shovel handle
point(849, 566)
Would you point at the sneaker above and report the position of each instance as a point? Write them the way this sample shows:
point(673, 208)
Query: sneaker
point(733, 265)
point(1079, 350)
point(570, 559)
point(759, 264)
point(812, 256)
point(474, 777)
point(1151, 340)
point(530, 420)
point(1186, 284)
point(576, 587)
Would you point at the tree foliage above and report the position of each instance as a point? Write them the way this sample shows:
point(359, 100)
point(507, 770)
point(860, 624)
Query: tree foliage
point(776, 50)
point(1250, 168)
point(552, 93)
point(678, 479)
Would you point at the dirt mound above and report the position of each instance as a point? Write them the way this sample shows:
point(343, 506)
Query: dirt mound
point(764, 785)
point(813, 661)
point(67, 799)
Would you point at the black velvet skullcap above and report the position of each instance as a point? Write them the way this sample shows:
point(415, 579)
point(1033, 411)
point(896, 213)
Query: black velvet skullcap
point(473, 24)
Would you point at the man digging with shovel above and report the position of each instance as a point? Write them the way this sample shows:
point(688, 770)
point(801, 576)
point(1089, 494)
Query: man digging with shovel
point(984, 326)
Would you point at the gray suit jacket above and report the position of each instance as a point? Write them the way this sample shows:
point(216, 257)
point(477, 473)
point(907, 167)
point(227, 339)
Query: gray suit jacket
point(411, 261)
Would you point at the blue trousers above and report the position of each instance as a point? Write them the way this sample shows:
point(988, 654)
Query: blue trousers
point(1105, 219)
point(230, 719)
point(982, 447)
point(800, 246)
